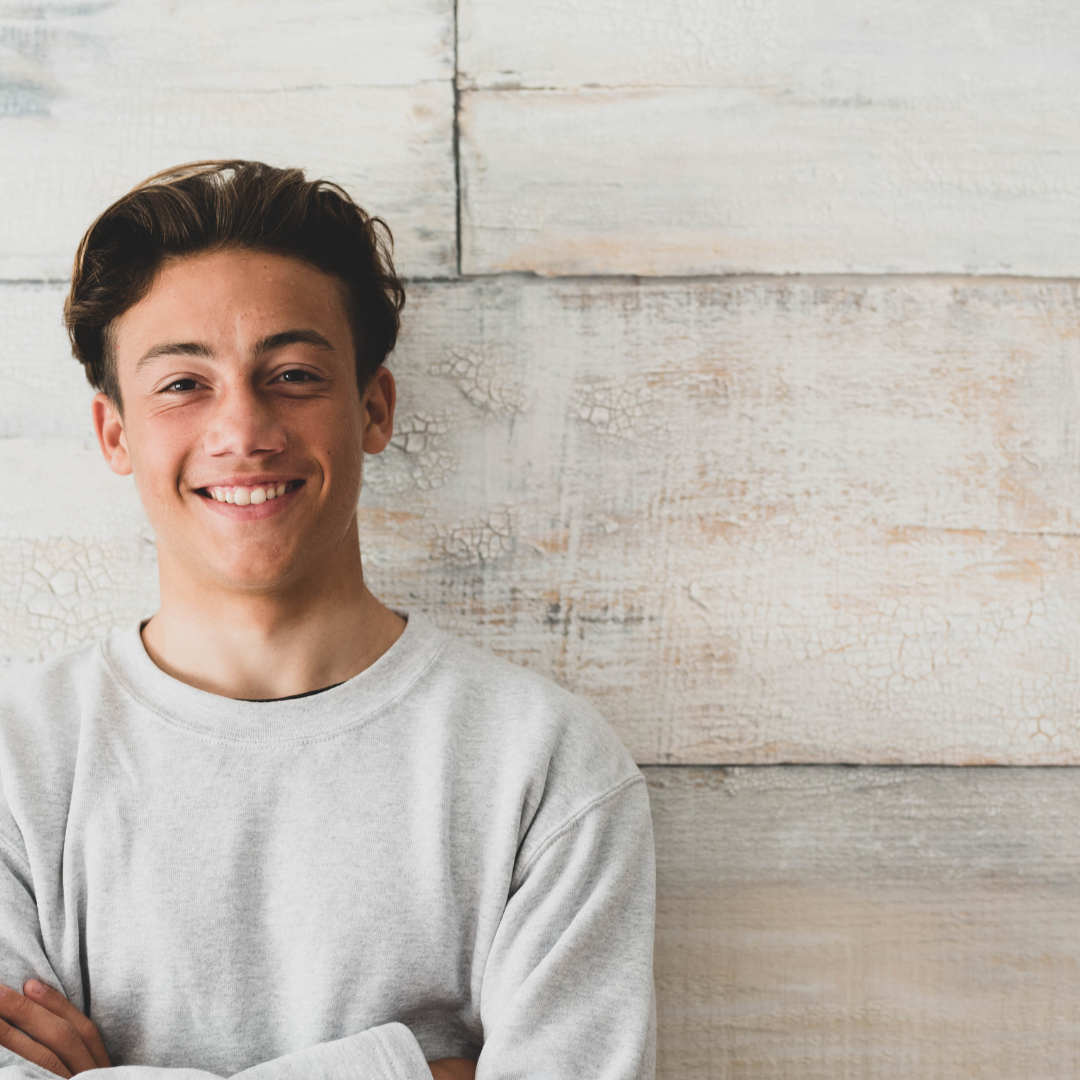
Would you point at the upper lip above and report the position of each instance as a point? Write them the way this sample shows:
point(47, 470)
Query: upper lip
point(258, 480)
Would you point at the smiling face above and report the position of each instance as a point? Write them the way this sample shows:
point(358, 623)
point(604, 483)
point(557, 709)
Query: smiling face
point(242, 420)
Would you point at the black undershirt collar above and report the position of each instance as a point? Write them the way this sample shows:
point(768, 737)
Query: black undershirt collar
point(291, 697)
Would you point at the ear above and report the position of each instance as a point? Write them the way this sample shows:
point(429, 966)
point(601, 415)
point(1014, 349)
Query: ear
point(109, 425)
point(378, 408)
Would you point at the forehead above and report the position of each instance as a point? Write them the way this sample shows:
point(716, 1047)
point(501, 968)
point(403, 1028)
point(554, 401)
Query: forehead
point(229, 298)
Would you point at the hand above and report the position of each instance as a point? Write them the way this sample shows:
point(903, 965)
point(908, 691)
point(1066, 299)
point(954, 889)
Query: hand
point(46, 1029)
point(452, 1069)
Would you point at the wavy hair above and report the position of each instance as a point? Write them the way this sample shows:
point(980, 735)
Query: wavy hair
point(214, 205)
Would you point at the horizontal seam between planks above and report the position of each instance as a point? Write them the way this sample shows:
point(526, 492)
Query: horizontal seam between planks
point(719, 279)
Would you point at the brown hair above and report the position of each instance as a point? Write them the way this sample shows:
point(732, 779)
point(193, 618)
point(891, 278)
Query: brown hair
point(209, 205)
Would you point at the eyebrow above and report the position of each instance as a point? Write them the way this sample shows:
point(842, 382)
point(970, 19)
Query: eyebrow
point(173, 348)
point(291, 337)
point(262, 346)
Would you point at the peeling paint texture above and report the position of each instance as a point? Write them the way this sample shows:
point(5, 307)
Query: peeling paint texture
point(759, 520)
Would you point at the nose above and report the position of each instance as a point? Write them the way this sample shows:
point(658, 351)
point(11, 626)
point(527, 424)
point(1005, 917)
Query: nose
point(244, 424)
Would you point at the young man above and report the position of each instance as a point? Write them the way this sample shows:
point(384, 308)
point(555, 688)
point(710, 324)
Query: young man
point(279, 830)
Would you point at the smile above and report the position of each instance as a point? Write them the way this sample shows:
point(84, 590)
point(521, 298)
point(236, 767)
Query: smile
point(249, 495)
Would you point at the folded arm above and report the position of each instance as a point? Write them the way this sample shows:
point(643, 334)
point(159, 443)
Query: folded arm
point(568, 984)
point(387, 1052)
point(567, 987)
point(46, 1030)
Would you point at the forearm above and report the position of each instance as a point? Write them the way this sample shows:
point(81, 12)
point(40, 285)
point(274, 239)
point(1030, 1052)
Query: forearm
point(389, 1052)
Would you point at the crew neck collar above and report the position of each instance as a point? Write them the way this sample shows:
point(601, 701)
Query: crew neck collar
point(285, 720)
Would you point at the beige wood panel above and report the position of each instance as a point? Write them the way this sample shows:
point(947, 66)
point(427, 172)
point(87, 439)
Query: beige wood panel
point(719, 180)
point(94, 97)
point(754, 520)
point(853, 924)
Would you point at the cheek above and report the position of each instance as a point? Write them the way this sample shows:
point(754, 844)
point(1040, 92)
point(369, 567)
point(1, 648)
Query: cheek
point(348, 464)
point(340, 440)
point(157, 450)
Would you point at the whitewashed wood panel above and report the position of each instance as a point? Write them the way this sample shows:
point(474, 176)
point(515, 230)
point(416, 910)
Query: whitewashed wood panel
point(94, 97)
point(849, 53)
point(777, 136)
point(867, 924)
point(758, 520)
point(711, 181)
point(753, 520)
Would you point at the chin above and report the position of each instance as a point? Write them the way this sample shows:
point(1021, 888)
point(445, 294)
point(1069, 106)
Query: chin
point(267, 578)
point(257, 570)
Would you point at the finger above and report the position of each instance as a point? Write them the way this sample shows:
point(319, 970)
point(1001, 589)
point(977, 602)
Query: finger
point(46, 1028)
point(14, 1040)
point(56, 1003)
point(452, 1069)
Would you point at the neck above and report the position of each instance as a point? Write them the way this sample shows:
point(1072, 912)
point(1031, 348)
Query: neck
point(256, 644)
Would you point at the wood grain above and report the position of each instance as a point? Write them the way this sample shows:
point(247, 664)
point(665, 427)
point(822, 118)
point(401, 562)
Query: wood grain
point(94, 97)
point(840, 923)
point(753, 520)
point(642, 137)
point(828, 49)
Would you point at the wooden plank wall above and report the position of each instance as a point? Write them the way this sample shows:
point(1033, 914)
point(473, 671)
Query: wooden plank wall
point(739, 394)
point(827, 923)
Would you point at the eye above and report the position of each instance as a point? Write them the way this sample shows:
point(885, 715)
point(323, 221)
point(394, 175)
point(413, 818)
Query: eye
point(298, 375)
point(179, 386)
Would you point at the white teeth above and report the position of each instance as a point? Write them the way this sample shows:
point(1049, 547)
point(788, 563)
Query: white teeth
point(241, 496)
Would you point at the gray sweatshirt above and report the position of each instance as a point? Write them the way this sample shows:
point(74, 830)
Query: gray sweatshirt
point(444, 856)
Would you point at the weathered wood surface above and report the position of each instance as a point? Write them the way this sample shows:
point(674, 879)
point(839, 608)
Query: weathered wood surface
point(94, 97)
point(855, 924)
point(918, 49)
point(649, 137)
point(754, 521)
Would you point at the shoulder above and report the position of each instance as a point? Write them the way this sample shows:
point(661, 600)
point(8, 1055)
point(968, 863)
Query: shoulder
point(41, 716)
point(41, 703)
point(516, 706)
point(527, 729)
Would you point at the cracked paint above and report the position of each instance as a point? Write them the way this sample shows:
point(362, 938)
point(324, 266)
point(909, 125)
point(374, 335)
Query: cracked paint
point(57, 593)
point(823, 520)
point(422, 438)
point(617, 409)
point(476, 542)
point(483, 381)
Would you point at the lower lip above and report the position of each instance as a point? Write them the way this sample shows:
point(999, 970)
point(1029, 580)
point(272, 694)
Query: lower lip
point(252, 512)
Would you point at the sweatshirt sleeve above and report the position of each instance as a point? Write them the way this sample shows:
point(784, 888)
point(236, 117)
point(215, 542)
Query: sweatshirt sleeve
point(568, 984)
point(387, 1052)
